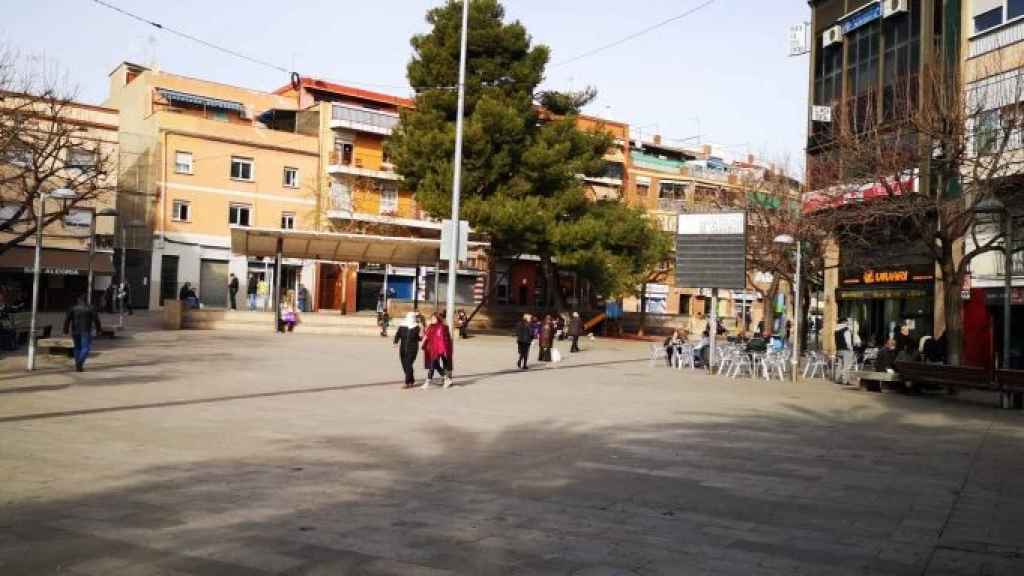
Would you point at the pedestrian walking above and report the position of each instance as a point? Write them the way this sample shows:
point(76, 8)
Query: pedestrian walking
point(263, 291)
point(250, 290)
point(233, 291)
point(80, 320)
point(462, 322)
point(126, 298)
point(303, 295)
point(407, 340)
point(437, 351)
point(575, 331)
point(547, 340)
point(524, 337)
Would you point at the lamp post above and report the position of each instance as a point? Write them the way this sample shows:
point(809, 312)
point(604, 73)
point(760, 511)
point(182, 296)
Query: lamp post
point(92, 247)
point(995, 206)
point(60, 194)
point(453, 257)
point(786, 239)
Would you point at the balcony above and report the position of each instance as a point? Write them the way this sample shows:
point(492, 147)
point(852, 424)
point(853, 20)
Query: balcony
point(363, 120)
point(349, 167)
point(707, 174)
point(674, 205)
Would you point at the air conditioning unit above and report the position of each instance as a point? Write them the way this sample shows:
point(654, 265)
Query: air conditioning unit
point(833, 35)
point(894, 7)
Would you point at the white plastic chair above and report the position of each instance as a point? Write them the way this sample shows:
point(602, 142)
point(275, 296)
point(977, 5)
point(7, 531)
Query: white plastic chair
point(658, 353)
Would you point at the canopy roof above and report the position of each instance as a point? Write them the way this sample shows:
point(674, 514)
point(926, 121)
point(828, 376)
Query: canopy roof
point(175, 97)
point(397, 251)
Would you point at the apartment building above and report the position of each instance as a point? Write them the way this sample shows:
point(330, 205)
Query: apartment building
point(77, 142)
point(866, 62)
point(994, 77)
point(668, 180)
point(197, 158)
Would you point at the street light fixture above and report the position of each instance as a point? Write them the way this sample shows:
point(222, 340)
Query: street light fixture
point(786, 240)
point(59, 194)
point(92, 247)
point(993, 205)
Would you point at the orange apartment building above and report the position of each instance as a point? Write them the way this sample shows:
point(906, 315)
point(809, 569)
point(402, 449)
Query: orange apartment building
point(199, 157)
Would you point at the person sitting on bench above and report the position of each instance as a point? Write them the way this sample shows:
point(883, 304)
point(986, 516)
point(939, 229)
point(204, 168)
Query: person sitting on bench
point(886, 359)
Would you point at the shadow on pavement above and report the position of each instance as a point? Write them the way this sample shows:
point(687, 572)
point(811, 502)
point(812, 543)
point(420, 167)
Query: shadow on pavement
point(796, 492)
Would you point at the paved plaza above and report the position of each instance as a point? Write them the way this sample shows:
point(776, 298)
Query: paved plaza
point(235, 454)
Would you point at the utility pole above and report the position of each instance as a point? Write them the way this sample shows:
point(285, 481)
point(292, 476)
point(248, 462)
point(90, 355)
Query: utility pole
point(453, 257)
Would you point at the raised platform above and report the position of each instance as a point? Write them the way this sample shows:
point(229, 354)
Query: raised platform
point(328, 323)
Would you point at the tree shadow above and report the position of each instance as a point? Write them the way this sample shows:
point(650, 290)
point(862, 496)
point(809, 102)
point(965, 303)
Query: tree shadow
point(798, 490)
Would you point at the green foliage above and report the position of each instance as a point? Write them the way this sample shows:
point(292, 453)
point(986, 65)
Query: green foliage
point(566, 103)
point(520, 169)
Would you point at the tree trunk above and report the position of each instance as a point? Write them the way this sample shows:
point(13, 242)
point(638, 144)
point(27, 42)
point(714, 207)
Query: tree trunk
point(954, 315)
point(553, 299)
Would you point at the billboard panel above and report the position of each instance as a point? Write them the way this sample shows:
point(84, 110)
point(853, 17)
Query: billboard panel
point(711, 251)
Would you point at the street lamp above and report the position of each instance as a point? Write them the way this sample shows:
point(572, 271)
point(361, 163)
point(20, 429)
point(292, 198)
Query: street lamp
point(993, 205)
point(60, 194)
point(92, 246)
point(786, 239)
point(453, 259)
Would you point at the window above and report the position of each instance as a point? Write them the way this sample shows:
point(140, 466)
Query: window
point(673, 190)
point(19, 155)
point(643, 186)
point(241, 168)
point(343, 151)
point(901, 62)
point(240, 215)
point(81, 158)
point(8, 211)
point(287, 220)
point(341, 196)
point(385, 157)
point(182, 211)
point(219, 115)
point(291, 177)
point(183, 162)
point(389, 199)
point(1014, 9)
point(78, 218)
point(989, 19)
point(862, 74)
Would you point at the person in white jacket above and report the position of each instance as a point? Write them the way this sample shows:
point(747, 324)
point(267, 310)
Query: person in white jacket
point(845, 338)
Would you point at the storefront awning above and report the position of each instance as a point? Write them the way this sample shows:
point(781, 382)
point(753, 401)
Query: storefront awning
point(334, 247)
point(55, 261)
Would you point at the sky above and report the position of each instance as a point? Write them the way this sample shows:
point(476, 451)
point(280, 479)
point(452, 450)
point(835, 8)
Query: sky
point(721, 75)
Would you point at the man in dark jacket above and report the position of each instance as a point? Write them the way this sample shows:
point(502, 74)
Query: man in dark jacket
point(407, 339)
point(575, 331)
point(886, 359)
point(233, 291)
point(80, 320)
point(524, 336)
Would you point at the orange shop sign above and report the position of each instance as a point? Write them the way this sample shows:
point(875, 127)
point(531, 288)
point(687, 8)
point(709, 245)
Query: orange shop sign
point(886, 277)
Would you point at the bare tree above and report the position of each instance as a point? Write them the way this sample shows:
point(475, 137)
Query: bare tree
point(44, 146)
point(918, 170)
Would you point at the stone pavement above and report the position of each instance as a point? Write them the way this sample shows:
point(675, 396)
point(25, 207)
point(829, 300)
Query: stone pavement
point(223, 454)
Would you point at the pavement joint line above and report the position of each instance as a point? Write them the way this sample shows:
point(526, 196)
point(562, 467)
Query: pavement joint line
point(277, 393)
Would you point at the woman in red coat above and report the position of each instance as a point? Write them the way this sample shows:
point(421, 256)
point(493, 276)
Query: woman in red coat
point(437, 351)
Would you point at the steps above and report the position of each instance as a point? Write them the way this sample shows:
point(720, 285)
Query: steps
point(309, 323)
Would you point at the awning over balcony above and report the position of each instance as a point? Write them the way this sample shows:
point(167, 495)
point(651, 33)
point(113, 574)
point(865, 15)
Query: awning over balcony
point(175, 97)
point(263, 242)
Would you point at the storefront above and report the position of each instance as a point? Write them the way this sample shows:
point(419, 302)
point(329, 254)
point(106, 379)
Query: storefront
point(63, 277)
point(883, 300)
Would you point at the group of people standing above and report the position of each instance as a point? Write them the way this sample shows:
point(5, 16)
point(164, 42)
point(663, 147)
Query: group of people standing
point(545, 331)
point(435, 339)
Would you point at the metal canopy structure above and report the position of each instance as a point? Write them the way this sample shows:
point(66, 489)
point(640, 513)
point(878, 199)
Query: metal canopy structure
point(335, 247)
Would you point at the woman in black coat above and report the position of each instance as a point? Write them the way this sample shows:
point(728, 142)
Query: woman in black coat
point(407, 339)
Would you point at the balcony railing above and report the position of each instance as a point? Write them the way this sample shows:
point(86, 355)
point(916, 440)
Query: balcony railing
point(671, 205)
point(362, 119)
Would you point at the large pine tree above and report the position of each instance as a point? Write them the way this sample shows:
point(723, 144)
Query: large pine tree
point(521, 164)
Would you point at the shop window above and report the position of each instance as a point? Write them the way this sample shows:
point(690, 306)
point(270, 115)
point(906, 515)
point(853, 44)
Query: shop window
point(182, 211)
point(241, 168)
point(240, 215)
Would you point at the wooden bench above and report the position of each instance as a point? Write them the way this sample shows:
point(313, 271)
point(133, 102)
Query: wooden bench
point(872, 381)
point(1011, 383)
point(65, 345)
point(950, 377)
point(22, 324)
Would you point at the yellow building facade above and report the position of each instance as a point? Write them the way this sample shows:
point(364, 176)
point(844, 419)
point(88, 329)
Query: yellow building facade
point(67, 145)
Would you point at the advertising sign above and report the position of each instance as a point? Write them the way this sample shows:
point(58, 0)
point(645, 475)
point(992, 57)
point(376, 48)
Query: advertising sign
point(869, 14)
point(711, 251)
